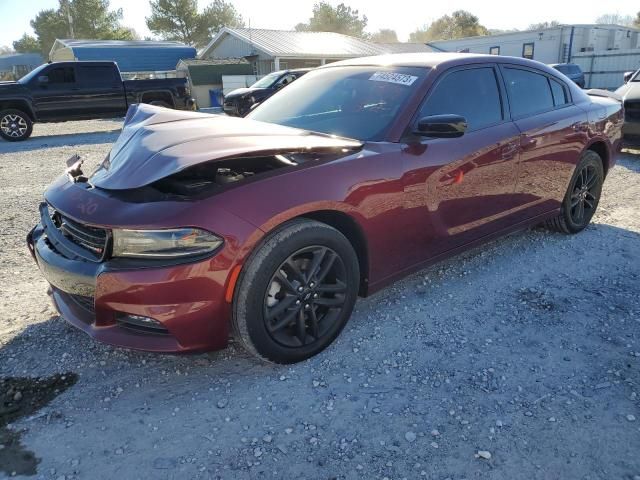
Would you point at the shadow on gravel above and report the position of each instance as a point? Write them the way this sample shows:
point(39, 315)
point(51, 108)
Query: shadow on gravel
point(70, 139)
point(20, 397)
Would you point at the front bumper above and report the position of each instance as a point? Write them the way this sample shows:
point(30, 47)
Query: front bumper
point(186, 299)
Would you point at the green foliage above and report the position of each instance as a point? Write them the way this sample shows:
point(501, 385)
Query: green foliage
point(90, 19)
point(457, 25)
point(341, 19)
point(636, 22)
point(27, 44)
point(542, 25)
point(180, 20)
point(384, 35)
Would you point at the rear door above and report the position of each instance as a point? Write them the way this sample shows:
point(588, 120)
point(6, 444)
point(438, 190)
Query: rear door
point(552, 134)
point(461, 189)
point(102, 91)
point(55, 93)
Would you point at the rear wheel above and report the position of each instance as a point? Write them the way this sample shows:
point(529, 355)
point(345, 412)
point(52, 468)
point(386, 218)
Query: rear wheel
point(15, 125)
point(582, 197)
point(296, 292)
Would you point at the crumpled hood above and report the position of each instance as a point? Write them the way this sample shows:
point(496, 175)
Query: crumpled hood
point(156, 142)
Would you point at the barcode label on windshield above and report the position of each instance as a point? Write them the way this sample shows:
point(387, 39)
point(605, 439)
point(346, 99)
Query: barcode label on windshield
point(392, 77)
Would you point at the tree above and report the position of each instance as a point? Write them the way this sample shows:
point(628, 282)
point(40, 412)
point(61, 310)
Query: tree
point(26, 44)
point(4, 49)
point(459, 24)
point(615, 19)
point(384, 35)
point(180, 20)
point(78, 19)
point(341, 19)
point(543, 25)
point(636, 22)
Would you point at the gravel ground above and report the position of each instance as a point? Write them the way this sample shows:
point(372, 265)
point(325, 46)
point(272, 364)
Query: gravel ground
point(518, 360)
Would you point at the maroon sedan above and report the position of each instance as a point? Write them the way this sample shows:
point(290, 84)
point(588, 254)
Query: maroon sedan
point(359, 173)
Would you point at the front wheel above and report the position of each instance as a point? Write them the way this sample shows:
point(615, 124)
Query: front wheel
point(15, 125)
point(582, 197)
point(296, 292)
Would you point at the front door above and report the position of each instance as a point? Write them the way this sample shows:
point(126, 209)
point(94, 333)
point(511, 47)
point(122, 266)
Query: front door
point(55, 93)
point(458, 190)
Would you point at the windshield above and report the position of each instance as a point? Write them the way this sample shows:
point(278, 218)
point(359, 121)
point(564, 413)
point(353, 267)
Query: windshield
point(636, 77)
point(266, 82)
point(32, 74)
point(354, 102)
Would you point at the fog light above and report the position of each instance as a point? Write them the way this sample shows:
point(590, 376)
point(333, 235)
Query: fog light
point(141, 323)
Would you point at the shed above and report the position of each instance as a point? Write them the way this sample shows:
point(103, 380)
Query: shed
point(272, 50)
point(16, 65)
point(141, 58)
point(206, 75)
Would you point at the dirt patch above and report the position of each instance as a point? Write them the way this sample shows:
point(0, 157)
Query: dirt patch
point(20, 397)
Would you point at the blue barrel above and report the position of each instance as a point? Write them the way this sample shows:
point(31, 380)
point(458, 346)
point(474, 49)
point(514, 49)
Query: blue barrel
point(216, 97)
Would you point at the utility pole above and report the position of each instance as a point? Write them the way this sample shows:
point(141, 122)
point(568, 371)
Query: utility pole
point(69, 18)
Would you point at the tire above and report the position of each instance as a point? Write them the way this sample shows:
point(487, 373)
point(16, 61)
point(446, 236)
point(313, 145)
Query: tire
point(15, 125)
point(584, 192)
point(313, 308)
point(160, 103)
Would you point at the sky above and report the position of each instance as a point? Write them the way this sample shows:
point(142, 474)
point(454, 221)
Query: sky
point(404, 16)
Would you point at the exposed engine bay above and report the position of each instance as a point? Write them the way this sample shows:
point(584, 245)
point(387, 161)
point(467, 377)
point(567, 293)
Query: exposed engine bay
point(210, 177)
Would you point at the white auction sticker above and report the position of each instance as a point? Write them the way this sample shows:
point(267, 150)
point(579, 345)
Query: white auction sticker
point(392, 77)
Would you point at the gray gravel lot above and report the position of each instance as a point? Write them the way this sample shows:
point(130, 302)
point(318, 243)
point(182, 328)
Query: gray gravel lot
point(526, 350)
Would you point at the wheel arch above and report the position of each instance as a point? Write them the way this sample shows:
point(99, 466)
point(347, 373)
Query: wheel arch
point(18, 104)
point(351, 229)
point(600, 147)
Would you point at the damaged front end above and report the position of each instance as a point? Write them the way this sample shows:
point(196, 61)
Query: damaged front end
point(186, 153)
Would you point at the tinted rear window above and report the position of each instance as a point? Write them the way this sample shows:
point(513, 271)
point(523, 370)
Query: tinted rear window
point(559, 93)
point(98, 75)
point(529, 93)
point(472, 93)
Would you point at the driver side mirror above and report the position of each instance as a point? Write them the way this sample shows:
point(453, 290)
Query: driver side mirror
point(627, 76)
point(441, 126)
point(43, 79)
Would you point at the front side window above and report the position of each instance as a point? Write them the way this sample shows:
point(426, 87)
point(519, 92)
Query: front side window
point(358, 102)
point(529, 92)
point(62, 75)
point(527, 50)
point(472, 93)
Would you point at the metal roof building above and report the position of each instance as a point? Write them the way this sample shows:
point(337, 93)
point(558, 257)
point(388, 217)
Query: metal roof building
point(16, 65)
point(270, 50)
point(131, 55)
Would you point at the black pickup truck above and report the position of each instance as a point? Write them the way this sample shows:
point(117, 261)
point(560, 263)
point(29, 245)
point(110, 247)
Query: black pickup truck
point(60, 91)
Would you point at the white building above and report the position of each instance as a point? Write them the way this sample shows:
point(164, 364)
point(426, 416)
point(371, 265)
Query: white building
point(548, 45)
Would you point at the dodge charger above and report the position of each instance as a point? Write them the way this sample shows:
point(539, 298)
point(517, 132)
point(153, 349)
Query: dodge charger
point(196, 227)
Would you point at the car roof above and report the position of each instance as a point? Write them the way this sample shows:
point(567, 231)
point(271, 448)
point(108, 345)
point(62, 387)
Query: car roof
point(554, 65)
point(434, 59)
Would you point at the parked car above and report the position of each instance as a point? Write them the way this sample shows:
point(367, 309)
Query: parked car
point(238, 102)
point(571, 71)
point(358, 174)
point(630, 93)
point(60, 91)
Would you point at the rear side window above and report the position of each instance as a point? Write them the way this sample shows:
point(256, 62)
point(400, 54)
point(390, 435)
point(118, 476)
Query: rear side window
point(529, 93)
point(98, 75)
point(559, 93)
point(562, 69)
point(62, 75)
point(472, 93)
point(574, 69)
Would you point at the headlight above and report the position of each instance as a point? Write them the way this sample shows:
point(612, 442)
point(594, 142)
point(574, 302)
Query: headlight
point(170, 243)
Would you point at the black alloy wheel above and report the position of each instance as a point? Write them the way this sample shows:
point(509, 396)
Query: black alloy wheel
point(296, 292)
point(582, 197)
point(304, 297)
